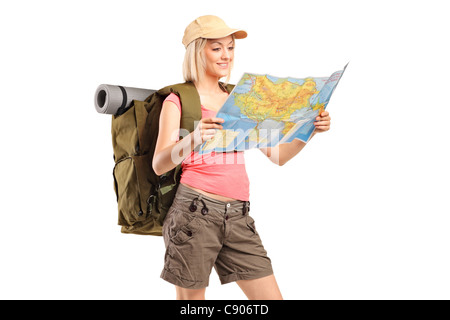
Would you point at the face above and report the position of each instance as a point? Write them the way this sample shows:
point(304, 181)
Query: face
point(219, 55)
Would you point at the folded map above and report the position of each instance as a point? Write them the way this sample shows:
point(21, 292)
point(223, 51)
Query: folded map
point(264, 110)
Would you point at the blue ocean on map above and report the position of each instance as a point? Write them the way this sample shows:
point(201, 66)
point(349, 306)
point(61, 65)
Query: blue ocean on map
point(243, 88)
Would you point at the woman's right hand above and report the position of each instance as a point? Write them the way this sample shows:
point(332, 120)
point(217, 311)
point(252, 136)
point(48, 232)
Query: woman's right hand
point(206, 129)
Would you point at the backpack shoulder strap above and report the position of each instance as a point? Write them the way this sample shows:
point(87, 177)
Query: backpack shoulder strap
point(229, 87)
point(190, 103)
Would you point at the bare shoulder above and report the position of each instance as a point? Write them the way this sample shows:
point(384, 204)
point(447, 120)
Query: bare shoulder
point(169, 126)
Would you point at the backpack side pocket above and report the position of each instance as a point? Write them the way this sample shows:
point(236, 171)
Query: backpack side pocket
point(128, 192)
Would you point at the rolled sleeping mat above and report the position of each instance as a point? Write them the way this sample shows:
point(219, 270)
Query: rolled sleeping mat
point(115, 100)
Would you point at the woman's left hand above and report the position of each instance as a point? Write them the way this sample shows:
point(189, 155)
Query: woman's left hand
point(322, 122)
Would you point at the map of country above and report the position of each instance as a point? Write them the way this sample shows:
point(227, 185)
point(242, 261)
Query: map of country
point(263, 111)
point(275, 100)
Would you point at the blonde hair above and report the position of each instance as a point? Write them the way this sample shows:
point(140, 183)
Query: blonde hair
point(194, 64)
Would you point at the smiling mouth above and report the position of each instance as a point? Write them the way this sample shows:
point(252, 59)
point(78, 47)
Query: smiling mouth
point(223, 65)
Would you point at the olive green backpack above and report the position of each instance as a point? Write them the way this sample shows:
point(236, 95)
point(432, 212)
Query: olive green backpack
point(143, 197)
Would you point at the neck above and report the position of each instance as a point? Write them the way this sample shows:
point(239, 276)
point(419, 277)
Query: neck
point(209, 84)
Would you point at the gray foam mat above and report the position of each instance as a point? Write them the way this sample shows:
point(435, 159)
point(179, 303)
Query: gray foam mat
point(109, 98)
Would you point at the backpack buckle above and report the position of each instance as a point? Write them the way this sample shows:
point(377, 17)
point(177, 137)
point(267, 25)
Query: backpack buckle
point(150, 202)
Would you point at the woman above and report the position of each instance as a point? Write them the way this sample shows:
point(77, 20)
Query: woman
point(208, 224)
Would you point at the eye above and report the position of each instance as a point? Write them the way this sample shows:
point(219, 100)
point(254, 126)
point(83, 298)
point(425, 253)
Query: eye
point(216, 49)
point(230, 48)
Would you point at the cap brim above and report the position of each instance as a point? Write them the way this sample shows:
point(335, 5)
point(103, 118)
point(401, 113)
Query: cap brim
point(239, 34)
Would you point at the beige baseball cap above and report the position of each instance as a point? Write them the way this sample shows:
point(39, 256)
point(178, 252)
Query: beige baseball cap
point(210, 27)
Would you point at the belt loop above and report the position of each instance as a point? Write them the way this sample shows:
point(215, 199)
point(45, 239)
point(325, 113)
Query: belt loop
point(245, 207)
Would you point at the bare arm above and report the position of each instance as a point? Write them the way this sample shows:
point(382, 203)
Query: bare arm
point(167, 140)
point(168, 152)
point(282, 153)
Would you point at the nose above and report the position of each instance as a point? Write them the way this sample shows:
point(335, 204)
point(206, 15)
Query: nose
point(226, 54)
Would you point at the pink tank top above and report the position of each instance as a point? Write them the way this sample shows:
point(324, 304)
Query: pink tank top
point(219, 173)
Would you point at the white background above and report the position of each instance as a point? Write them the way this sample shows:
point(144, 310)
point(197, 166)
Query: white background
point(360, 213)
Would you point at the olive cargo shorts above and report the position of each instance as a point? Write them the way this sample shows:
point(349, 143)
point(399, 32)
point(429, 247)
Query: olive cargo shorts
point(201, 232)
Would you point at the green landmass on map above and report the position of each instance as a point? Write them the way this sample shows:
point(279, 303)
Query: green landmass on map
point(275, 100)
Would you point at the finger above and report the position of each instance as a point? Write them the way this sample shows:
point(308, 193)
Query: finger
point(211, 126)
point(323, 114)
point(210, 132)
point(322, 123)
point(323, 118)
point(207, 137)
point(214, 120)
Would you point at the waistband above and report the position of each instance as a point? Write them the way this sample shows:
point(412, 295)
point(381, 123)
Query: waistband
point(200, 201)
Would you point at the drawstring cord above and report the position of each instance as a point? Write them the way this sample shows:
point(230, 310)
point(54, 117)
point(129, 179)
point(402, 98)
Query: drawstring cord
point(193, 206)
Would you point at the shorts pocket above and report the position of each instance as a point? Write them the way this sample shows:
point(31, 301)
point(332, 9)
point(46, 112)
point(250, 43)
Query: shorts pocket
point(251, 224)
point(184, 230)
